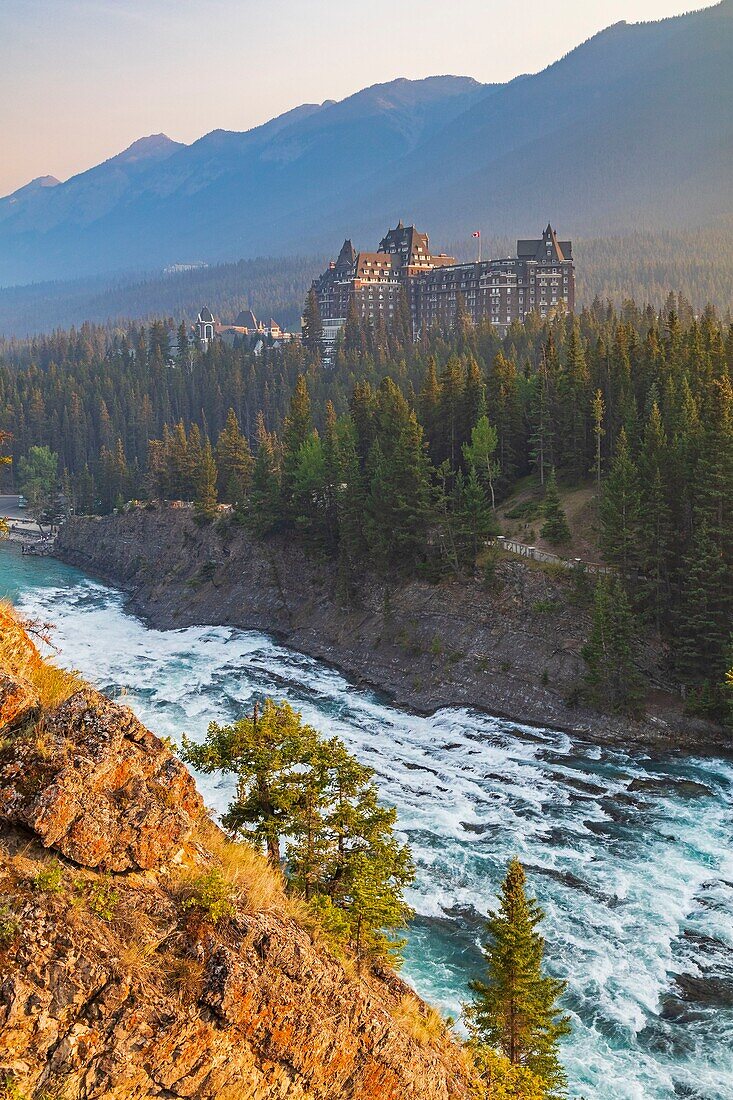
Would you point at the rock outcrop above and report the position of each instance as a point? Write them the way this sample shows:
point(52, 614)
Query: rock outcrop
point(513, 649)
point(98, 787)
point(113, 986)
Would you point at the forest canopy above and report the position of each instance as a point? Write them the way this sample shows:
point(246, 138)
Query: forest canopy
point(396, 457)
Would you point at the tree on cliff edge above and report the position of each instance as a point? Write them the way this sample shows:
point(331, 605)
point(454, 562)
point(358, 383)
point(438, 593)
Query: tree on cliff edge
point(515, 1007)
point(310, 796)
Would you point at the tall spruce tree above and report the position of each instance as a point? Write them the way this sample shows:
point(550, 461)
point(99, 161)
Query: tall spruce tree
point(312, 323)
point(613, 677)
point(620, 509)
point(555, 527)
point(296, 430)
point(234, 463)
point(265, 511)
point(515, 1007)
point(205, 498)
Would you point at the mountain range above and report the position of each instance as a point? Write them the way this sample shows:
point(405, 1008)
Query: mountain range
point(631, 130)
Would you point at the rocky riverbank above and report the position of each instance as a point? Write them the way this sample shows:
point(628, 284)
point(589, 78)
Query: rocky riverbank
point(512, 649)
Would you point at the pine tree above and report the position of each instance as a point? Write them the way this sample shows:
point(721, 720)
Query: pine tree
point(555, 527)
point(265, 511)
point(655, 528)
point(703, 623)
point(515, 1007)
point(353, 332)
point(597, 414)
point(398, 502)
point(610, 653)
point(266, 751)
point(295, 787)
point(574, 398)
point(205, 498)
point(234, 463)
point(312, 324)
point(296, 430)
point(475, 518)
point(542, 434)
point(728, 689)
point(620, 509)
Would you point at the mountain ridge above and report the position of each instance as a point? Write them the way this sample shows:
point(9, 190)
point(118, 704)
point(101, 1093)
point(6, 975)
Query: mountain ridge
point(606, 139)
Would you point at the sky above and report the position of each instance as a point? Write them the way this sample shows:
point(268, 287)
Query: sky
point(80, 80)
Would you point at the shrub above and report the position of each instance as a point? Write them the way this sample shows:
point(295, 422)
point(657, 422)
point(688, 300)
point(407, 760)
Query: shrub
point(9, 926)
point(543, 607)
point(51, 879)
point(101, 896)
point(212, 895)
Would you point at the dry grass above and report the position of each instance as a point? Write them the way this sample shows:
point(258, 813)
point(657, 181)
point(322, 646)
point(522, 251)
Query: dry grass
point(421, 1021)
point(54, 685)
point(185, 977)
point(259, 886)
point(19, 655)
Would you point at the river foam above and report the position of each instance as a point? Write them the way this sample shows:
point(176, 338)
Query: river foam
point(629, 855)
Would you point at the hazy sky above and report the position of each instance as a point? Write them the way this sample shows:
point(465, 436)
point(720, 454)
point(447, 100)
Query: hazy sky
point(81, 79)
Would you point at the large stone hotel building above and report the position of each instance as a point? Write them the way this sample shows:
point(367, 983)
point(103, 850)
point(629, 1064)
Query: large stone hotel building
point(536, 280)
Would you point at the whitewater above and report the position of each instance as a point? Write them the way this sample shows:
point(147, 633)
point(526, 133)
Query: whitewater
point(629, 854)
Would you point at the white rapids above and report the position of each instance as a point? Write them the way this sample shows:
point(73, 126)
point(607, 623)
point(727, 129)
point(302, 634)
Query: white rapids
point(631, 856)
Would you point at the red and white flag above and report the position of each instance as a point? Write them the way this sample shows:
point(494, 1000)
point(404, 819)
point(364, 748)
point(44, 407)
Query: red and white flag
point(477, 233)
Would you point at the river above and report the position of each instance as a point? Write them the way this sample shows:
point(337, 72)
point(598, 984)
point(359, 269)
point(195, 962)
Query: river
point(630, 856)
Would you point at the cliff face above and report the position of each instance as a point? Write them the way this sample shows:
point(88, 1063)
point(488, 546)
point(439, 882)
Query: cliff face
point(112, 985)
point(514, 650)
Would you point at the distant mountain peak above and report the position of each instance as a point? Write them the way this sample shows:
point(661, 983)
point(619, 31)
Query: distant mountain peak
point(152, 147)
point(37, 184)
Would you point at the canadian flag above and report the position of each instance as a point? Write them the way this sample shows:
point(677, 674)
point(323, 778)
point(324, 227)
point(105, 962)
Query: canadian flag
point(477, 233)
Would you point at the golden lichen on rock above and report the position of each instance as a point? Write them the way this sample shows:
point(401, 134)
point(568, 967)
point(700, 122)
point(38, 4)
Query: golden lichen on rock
point(145, 955)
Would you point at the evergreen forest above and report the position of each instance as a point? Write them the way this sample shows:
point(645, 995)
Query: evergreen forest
point(395, 458)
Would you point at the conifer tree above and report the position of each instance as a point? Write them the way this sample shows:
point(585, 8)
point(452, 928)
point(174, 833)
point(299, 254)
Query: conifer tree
point(312, 324)
point(266, 751)
point(703, 621)
point(475, 518)
point(620, 509)
point(265, 509)
point(574, 398)
point(179, 481)
point(655, 529)
point(555, 527)
point(597, 413)
point(515, 1006)
point(503, 392)
point(310, 794)
point(353, 334)
point(234, 463)
point(728, 689)
point(296, 430)
point(398, 502)
point(542, 438)
point(610, 653)
point(205, 499)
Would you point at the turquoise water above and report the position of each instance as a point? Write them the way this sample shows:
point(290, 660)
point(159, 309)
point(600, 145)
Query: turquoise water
point(630, 855)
